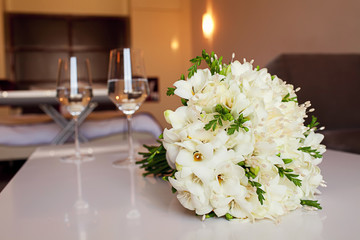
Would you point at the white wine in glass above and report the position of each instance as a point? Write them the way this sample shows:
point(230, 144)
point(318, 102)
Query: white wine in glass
point(74, 104)
point(127, 102)
point(127, 88)
point(74, 92)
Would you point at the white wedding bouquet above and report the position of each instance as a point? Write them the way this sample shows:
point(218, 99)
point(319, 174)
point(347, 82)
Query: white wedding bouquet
point(238, 146)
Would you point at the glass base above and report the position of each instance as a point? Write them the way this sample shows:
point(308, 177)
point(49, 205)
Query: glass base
point(81, 204)
point(126, 163)
point(76, 159)
point(133, 214)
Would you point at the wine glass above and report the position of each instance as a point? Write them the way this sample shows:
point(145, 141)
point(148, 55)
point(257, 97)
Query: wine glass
point(74, 92)
point(127, 88)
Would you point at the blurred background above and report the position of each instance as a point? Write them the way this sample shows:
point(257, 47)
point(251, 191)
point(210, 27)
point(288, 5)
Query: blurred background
point(320, 39)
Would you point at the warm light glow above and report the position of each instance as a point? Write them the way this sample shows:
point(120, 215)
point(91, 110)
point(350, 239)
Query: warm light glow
point(207, 25)
point(117, 97)
point(174, 44)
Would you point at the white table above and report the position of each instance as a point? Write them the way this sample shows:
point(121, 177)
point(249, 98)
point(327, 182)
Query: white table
point(39, 204)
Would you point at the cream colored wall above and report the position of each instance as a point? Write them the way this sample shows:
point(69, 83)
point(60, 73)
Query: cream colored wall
point(262, 29)
point(155, 25)
point(78, 7)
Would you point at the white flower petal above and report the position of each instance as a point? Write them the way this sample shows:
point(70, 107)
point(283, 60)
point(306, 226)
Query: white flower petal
point(183, 89)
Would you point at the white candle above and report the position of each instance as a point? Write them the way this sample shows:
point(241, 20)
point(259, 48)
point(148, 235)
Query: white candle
point(73, 77)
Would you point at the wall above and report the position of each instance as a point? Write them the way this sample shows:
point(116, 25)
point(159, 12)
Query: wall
point(156, 26)
point(262, 29)
point(87, 7)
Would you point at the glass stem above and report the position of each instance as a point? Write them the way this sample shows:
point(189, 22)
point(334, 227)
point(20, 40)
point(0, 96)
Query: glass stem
point(130, 139)
point(77, 145)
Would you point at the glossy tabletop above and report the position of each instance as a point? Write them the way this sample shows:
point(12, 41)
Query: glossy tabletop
point(48, 199)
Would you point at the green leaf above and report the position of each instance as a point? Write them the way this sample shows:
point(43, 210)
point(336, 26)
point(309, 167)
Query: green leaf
point(210, 215)
point(251, 173)
point(287, 160)
point(196, 60)
point(206, 56)
point(254, 184)
point(228, 216)
point(220, 121)
point(166, 178)
point(211, 124)
point(287, 173)
point(313, 152)
point(293, 178)
point(184, 101)
point(241, 164)
point(218, 108)
point(238, 123)
point(312, 126)
point(287, 98)
point(192, 70)
point(223, 115)
point(314, 123)
point(225, 70)
point(215, 65)
point(260, 194)
point(259, 191)
point(255, 170)
point(170, 91)
point(311, 203)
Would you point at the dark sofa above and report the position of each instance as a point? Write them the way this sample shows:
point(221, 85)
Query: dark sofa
point(332, 83)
